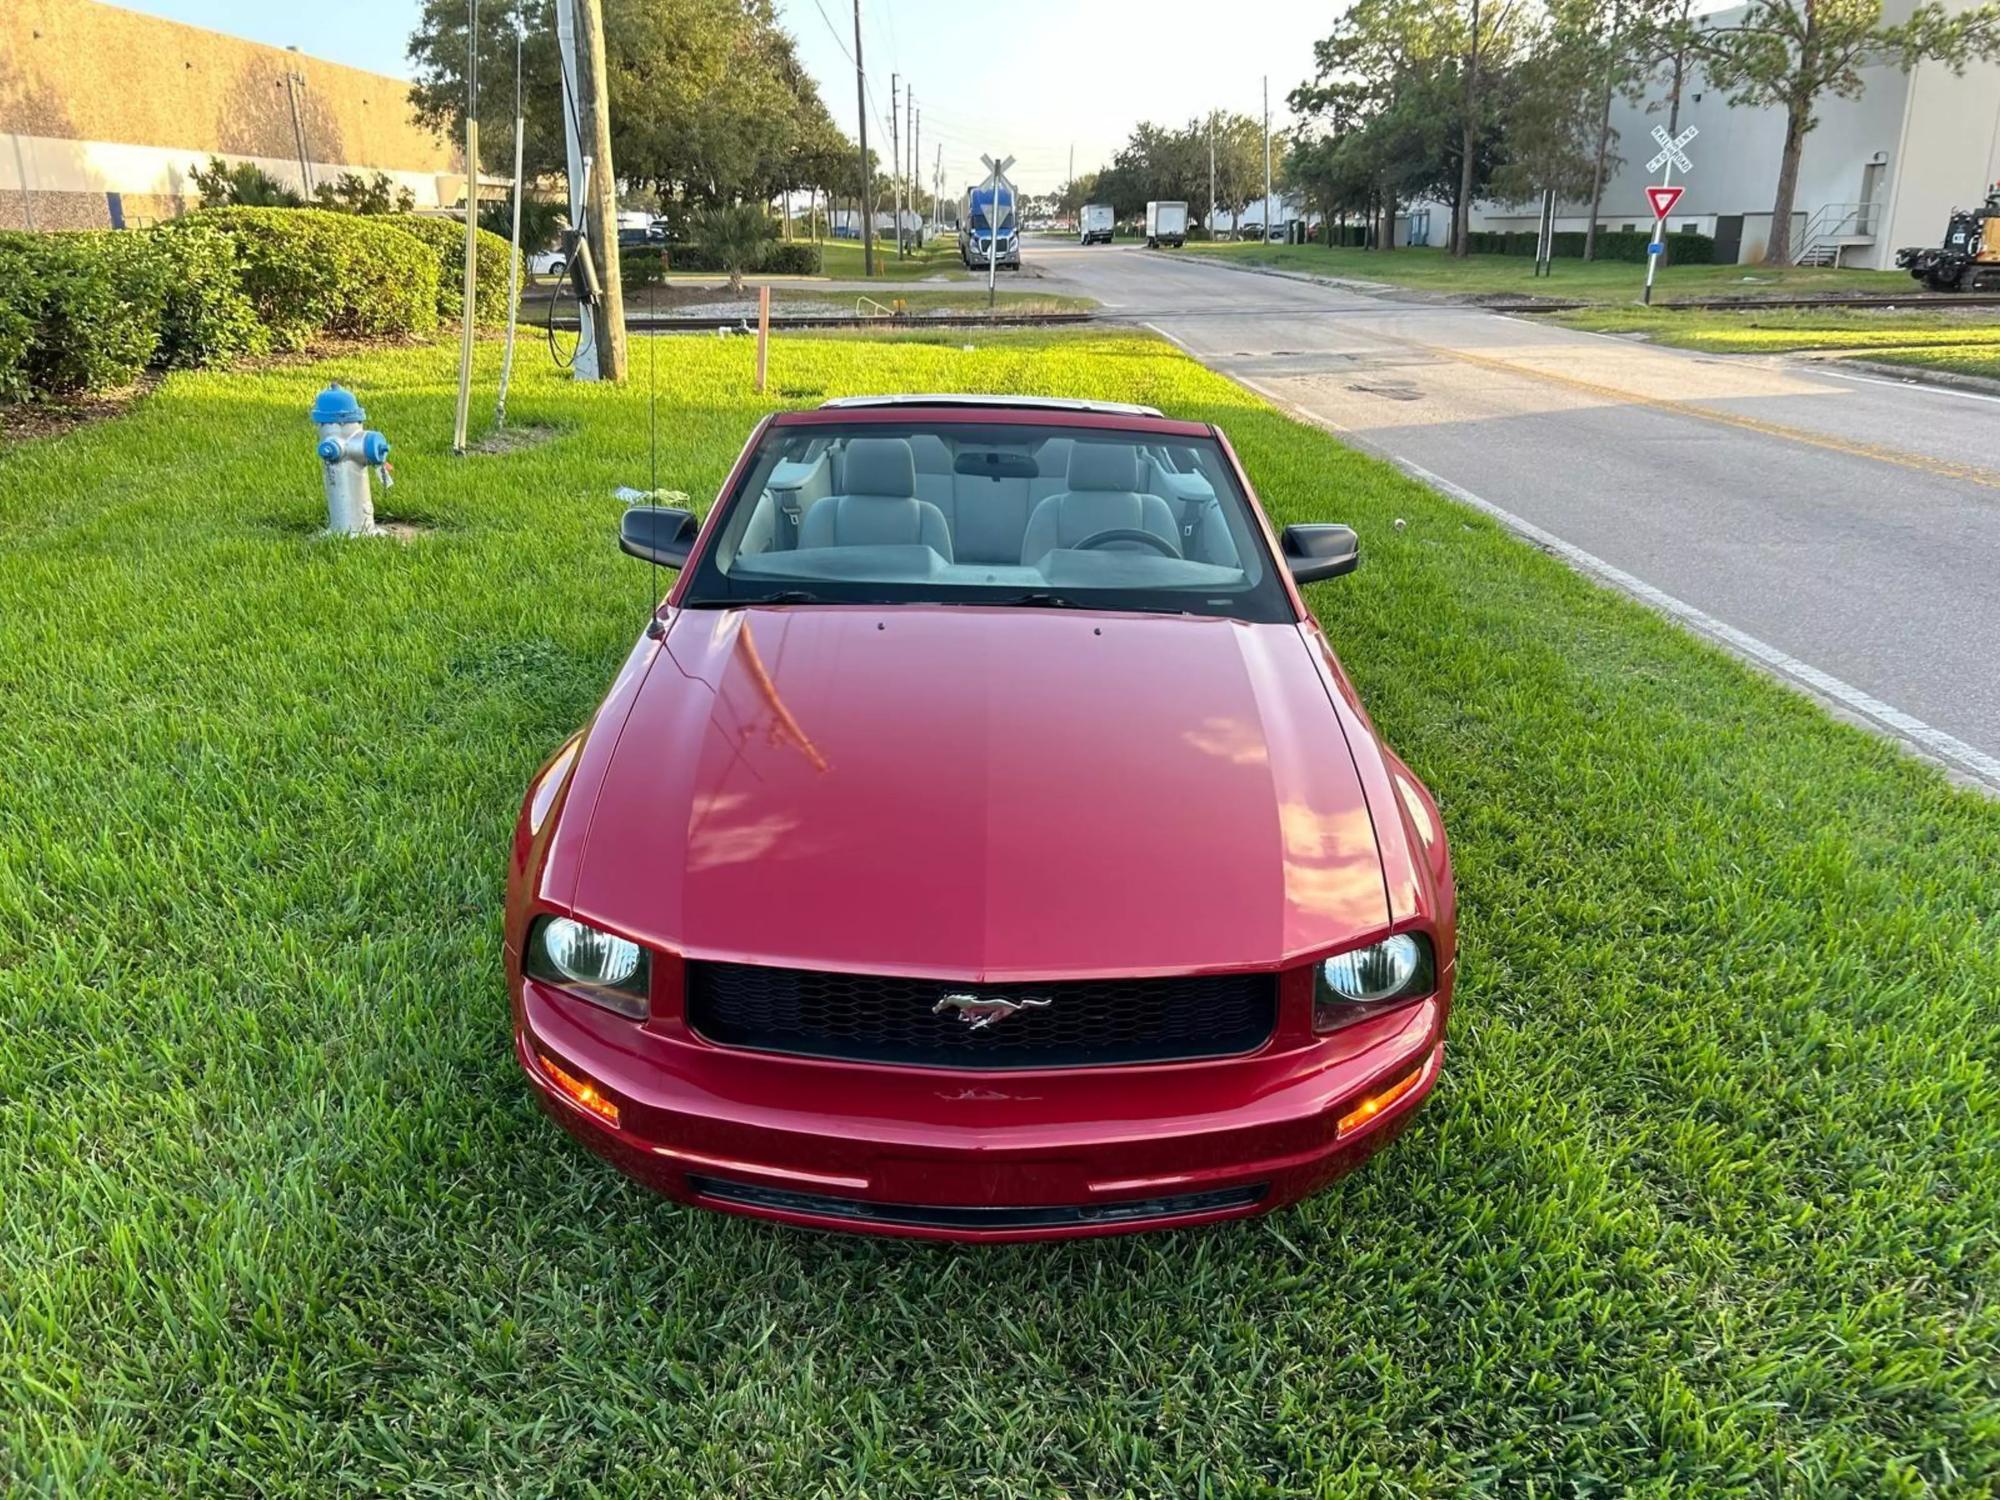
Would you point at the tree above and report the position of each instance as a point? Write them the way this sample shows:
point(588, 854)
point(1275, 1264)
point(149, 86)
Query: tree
point(709, 103)
point(1550, 137)
point(735, 236)
point(351, 193)
point(222, 184)
point(1788, 54)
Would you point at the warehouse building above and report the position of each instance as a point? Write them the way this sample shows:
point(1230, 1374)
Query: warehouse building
point(1881, 171)
point(103, 113)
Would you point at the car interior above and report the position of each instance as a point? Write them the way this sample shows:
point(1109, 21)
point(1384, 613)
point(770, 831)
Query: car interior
point(989, 505)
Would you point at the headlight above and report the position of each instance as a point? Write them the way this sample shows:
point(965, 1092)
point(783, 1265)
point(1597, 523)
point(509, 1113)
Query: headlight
point(607, 970)
point(1397, 968)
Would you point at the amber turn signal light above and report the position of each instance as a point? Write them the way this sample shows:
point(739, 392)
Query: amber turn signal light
point(1373, 1104)
point(583, 1093)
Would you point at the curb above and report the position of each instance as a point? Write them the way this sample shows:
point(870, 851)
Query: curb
point(1950, 380)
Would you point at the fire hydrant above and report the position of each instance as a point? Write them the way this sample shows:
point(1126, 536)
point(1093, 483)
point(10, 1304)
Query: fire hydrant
point(347, 451)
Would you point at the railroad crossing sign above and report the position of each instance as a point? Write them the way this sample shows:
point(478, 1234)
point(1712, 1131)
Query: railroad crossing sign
point(1670, 149)
point(1663, 199)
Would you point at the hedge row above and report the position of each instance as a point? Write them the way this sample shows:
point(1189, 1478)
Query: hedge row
point(88, 311)
point(446, 239)
point(1612, 244)
point(778, 258)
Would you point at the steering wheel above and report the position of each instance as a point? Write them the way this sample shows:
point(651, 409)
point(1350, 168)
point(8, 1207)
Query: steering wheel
point(1127, 534)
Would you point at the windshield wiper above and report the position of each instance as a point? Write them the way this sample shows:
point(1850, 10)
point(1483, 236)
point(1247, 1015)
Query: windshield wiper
point(1035, 601)
point(782, 596)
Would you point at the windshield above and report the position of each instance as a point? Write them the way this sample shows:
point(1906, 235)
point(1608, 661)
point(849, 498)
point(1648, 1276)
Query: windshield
point(966, 513)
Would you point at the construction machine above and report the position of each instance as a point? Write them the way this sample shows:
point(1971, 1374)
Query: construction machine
point(1969, 258)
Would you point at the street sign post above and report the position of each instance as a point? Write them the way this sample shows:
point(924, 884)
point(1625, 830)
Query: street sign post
point(1665, 196)
point(993, 225)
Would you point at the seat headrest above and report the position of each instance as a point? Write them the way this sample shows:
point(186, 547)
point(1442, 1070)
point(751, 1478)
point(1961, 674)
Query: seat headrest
point(879, 466)
point(1104, 466)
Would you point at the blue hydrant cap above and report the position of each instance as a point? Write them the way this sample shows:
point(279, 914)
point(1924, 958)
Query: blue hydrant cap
point(337, 404)
point(374, 448)
point(329, 450)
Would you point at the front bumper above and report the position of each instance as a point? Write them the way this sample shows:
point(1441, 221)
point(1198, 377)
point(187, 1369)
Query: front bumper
point(977, 1155)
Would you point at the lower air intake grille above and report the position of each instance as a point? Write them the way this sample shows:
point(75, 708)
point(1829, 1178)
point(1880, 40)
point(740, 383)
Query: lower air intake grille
point(947, 1216)
point(1071, 1024)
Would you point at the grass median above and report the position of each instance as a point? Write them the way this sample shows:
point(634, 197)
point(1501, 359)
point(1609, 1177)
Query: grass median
point(1705, 1203)
point(1964, 340)
point(1514, 275)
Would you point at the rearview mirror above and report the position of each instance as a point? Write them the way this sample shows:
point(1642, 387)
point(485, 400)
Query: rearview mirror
point(656, 534)
point(1316, 552)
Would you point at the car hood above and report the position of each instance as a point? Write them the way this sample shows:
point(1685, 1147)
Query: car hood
point(982, 794)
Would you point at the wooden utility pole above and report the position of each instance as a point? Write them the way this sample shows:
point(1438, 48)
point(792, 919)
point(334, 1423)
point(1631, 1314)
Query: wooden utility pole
point(896, 158)
point(867, 187)
point(601, 209)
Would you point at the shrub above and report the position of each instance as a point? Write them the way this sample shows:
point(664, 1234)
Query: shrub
point(542, 221)
point(351, 193)
point(643, 268)
point(1612, 244)
point(244, 184)
point(792, 258)
point(310, 272)
point(445, 239)
point(84, 313)
point(734, 237)
point(208, 318)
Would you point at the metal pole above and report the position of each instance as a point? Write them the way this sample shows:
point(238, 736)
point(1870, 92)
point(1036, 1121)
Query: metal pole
point(1653, 247)
point(1267, 158)
point(514, 261)
point(867, 194)
point(1211, 174)
point(593, 104)
point(584, 364)
point(909, 175)
point(992, 240)
point(917, 169)
point(462, 415)
point(292, 81)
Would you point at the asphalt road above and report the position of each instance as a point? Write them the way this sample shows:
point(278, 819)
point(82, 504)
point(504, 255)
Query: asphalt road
point(1843, 531)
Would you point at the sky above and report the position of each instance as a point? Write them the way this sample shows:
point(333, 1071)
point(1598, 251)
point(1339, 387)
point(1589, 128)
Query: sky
point(1031, 79)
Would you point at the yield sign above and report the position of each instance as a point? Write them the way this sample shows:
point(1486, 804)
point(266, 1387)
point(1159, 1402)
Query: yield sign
point(1663, 199)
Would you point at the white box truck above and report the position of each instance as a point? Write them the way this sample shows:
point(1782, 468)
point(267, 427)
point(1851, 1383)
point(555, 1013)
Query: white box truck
point(1094, 225)
point(1166, 224)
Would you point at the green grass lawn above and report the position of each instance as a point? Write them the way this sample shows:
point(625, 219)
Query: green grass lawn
point(1595, 281)
point(1706, 1203)
point(1964, 340)
point(841, 261)
point(937, 300)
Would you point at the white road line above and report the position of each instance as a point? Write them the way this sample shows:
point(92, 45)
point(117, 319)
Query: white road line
point(1935, 743)
point(1180, 344)
point(1900, 385)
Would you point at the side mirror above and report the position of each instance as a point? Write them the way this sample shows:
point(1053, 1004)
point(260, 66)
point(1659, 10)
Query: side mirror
point(655, 534)
point(1316, 552)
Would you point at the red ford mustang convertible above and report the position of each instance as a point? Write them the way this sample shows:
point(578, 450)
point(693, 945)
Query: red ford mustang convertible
point(982, 842)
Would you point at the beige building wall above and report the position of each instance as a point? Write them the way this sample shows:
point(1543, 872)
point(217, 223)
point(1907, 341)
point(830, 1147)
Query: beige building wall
point(95, 100)
point(1950, 151)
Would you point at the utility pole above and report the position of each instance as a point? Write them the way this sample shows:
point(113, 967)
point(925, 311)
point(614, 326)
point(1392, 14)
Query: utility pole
point(896, 158)
point(601, 186)
point(915, 166)
point(867, 187)
point(1211, 174)
point(462, 414)
point(583, 364)
point(1267, 158)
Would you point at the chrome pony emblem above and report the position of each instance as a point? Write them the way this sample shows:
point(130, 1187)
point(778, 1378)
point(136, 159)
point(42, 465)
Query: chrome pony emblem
point(981, 1011)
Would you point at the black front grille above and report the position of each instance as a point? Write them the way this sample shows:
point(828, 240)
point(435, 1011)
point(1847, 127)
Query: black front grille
point(952, 1216)
point(1068, 1024)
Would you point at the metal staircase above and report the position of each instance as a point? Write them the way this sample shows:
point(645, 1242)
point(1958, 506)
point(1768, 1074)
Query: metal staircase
point(1833, 228)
